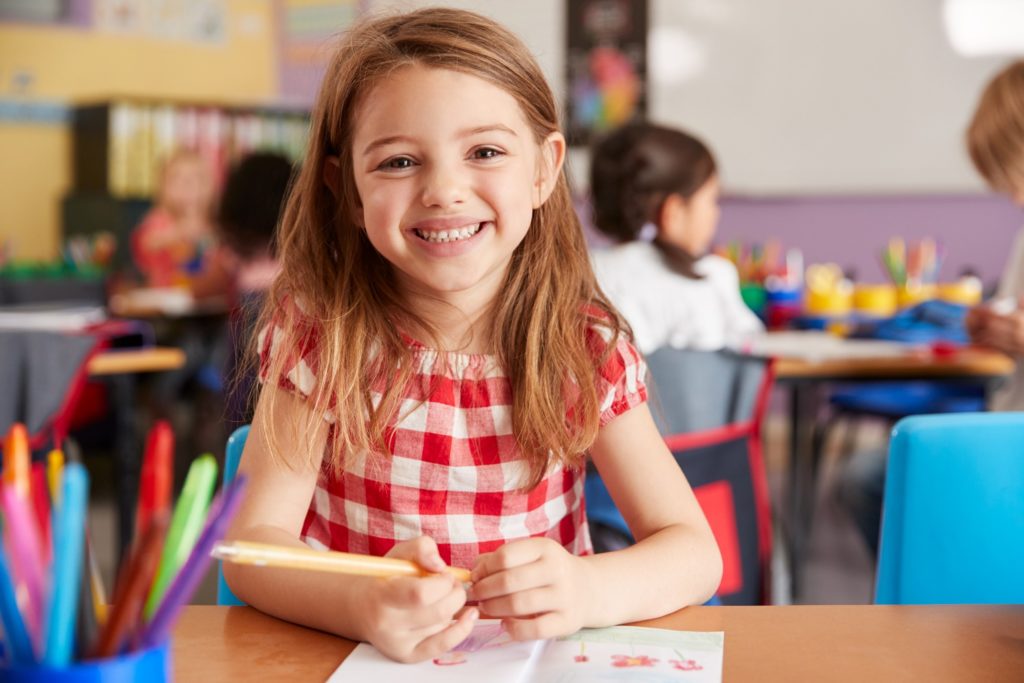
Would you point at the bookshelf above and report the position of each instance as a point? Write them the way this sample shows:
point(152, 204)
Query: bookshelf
point(119, 145)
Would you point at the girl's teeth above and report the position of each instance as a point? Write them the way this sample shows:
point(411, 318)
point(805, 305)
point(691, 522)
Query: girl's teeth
point(449, 235)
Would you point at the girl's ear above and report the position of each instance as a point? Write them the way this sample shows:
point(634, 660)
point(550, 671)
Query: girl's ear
point(552, 156)
point(672, 216)
point(332, 174)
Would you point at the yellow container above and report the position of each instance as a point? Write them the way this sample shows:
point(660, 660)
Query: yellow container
point(911, 295)
point(828, 303)
point(877, 300)
point(966, 291)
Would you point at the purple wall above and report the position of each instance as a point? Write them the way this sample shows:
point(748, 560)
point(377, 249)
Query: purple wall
point(977, 230)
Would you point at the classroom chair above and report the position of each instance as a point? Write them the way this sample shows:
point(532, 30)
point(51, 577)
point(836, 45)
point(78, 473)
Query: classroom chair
point(232, 456)
point(953, 512)
point(710, 407)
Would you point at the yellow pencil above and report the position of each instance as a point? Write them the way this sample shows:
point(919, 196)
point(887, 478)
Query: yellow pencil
point(266, 555)
point(54, 470)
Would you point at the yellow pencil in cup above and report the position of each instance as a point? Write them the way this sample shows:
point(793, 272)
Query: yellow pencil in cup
point(267, 555)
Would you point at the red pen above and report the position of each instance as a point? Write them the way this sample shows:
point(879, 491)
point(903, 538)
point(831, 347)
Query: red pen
point(157, 477)
point(133, 584)
point(41, 508)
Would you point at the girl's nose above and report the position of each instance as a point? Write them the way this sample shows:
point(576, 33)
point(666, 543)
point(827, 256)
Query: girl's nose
point(443, 187)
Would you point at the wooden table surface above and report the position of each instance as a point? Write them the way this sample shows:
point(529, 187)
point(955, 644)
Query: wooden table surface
point(861, 643)
point(967, 362)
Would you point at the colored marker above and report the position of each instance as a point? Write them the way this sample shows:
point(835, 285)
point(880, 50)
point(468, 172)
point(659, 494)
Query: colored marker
point(186, 525)
point(130, 592)
point(26, 558)
point(222, 510)
point(41, 510)
point(157, 475)
point(17, 459)
point(15, 635)
point(54, 468)
point(69, 536)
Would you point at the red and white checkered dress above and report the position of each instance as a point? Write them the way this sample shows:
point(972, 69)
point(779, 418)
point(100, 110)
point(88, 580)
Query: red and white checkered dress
point(455, 468)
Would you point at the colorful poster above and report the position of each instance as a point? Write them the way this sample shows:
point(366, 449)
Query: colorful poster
point(607, 66)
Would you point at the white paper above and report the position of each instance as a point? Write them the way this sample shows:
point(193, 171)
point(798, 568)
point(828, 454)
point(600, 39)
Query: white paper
point(820, 346)
point(622, 653)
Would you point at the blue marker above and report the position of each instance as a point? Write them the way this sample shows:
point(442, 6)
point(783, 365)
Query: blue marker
point(14, 625)
point(68, 538)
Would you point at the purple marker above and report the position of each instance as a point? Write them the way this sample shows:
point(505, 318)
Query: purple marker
point(184, 584)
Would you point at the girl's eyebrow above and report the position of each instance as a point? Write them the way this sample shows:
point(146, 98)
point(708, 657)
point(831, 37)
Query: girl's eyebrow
point(391, 139)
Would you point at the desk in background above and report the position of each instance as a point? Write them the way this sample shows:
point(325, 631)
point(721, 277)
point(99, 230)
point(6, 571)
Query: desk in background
point(762, 644)
point(119, 368)
point(806, 374)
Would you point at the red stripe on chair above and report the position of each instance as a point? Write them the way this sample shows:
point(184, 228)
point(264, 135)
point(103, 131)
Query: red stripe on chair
point(716, 501)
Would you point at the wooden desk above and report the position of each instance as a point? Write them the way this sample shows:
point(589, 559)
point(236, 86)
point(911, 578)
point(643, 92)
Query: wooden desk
point(121, 361)
point(806, 379)
point(762, 644)
point(118, 368)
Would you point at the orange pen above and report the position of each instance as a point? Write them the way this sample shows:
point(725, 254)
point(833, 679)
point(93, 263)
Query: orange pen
point(157, 476)
point(133, 584)
point(17, 459)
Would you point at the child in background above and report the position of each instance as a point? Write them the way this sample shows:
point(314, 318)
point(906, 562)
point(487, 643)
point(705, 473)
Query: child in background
point(655, 191)
point(995, 141)
point(438, 361)
point(250, 206)
point(172, 239)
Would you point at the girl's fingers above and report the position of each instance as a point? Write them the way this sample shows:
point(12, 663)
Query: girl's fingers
point(511, 581)
point(522, 604)
point(412, 593)
point(446, 639)
point(440, 612)
point(423, 551)
point(514, 554)
point(549, 625)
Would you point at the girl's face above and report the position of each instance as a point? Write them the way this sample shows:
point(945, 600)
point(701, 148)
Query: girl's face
point(187, 186)
point(448, 173)
point(691, 223)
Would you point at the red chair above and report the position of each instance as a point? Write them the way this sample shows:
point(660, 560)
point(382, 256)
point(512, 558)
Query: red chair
point(710, 406)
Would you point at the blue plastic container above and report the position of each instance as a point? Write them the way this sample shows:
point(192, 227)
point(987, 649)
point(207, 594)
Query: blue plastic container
point(152, 666)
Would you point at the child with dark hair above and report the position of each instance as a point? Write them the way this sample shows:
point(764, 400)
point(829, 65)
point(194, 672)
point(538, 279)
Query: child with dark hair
point(247, 217)
point(655, 191)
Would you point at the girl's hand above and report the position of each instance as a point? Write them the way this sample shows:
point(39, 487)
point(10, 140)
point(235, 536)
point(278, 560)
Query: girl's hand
point(1003, 332)
point(537, 587)
point(411, 619)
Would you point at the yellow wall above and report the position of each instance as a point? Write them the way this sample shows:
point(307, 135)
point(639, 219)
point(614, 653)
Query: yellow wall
point(75, 65)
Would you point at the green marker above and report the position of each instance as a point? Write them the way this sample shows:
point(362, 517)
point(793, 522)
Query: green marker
point(186, 525)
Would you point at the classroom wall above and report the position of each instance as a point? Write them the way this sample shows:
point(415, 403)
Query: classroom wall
point(46, 69)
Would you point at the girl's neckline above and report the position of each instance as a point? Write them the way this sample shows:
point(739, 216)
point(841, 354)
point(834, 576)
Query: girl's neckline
point(419, 347)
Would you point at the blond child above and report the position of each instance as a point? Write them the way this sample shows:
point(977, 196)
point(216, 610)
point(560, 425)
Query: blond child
point(995, 140)
point(169, 244)
point(438, 362)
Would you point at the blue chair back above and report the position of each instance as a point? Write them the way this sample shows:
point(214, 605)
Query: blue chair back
point(232, 456)
point(953, 513)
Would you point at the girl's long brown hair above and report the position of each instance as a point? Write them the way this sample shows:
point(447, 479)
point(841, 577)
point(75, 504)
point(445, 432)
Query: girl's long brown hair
point(995, 136)
point(348, 292)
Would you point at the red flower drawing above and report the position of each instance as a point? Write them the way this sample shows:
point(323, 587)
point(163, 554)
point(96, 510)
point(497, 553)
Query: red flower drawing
point(685, 665)
point(624, 661)
point(581, 658)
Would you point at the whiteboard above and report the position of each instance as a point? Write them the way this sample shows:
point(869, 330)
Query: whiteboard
point(795, 97)
point(819, 96)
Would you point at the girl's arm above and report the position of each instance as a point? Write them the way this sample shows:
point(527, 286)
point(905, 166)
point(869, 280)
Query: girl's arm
point(675, 561)
point(540, 590)
point(406, 618)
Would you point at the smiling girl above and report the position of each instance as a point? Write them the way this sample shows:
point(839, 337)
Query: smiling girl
point(438, 362)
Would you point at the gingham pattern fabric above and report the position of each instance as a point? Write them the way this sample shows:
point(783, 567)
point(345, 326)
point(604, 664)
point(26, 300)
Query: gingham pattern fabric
point(455, 468)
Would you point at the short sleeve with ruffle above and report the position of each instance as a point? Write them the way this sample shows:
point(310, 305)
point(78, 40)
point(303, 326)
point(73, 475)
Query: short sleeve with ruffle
point(298, 371)
point(621, 382)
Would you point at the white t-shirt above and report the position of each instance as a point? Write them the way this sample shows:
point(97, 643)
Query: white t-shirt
point(1010, 396)
point(668, 309)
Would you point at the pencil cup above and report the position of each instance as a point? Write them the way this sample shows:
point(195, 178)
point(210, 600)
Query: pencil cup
point(875, 300)
point(152, 665)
